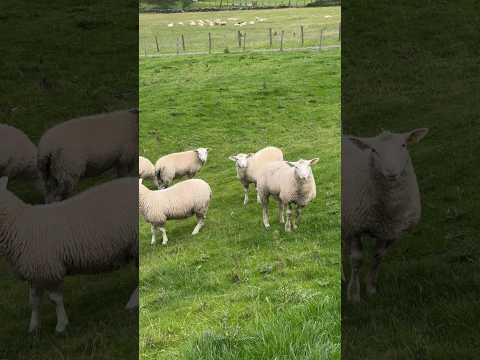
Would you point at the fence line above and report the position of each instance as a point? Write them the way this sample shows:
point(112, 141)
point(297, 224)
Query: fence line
point(301, 38)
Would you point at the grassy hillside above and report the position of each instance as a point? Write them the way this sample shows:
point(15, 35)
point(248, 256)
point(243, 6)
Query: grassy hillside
point(168, 29)
point(237, 291)
point(420, 73)
point(146, 5)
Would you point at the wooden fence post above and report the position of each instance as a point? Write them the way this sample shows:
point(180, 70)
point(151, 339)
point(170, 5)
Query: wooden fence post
point(239, 38)
point(209, 43)
point(340, 31)
point(178, 46)
point(183, 43)
point(156, 42)
point(270, 37)
point(244, 40)
point(301, 34)
point(281, 40)
point(321, 39)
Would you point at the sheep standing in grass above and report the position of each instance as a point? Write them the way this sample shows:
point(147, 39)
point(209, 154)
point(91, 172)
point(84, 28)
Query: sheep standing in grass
point(93, 232)
point(18, 155)
point(180, 201)
point(380, 198)
point(290, 183)
point(146, 170)
point(172, 166)
point(85, 147)
point(249, 166)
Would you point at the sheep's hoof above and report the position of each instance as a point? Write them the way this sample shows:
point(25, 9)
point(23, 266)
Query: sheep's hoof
point(34, 331)
point(371, 290)
point(60, 329)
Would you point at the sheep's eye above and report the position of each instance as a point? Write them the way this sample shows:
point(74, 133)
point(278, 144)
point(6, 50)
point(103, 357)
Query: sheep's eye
point(373, 150)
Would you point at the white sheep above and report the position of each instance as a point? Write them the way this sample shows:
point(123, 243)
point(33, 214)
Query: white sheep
point(93, 232)
point(175, 165)
point(182, 200)
point(380, 198)
point(249, 166)
point(289, 183)
point(85, 147)
point(146, 170)
point(18, 155)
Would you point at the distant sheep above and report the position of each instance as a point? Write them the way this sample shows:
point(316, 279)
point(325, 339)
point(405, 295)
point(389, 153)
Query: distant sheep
point(146, 170)
point(380, 197)
point(175, 165)
point(249, 166)
point(93, 232)
point(290, 183)
point(86, 147)
point(182, 200)
point(18, 155)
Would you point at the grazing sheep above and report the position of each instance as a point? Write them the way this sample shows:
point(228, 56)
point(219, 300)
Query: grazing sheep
point(380, 197)
point(93, 232)
point(85, 147)
point(180, 201)
point(249, 166)
point(175, 165)
point(146, 170)
point(290, 183)
point(18, 155)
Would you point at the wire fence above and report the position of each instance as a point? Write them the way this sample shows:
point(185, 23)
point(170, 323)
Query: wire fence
point(178, 42)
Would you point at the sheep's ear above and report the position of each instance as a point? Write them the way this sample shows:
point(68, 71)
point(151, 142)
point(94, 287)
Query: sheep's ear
point(208, 149)
point(359, 142)
point(250, 155)
point(414, 136)
point(313, 161)
point(3, 183)
point(233, 158)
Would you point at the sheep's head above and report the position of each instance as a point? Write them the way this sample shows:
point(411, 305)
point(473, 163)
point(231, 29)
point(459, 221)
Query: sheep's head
point(303, 170)
point(202, 154)
point(389, 151)
point(241, 160)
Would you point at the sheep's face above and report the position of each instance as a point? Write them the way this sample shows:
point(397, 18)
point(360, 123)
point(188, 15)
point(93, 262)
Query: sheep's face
point(202, 154)
point(241, 160)
point(389, 151)
point(303, 170)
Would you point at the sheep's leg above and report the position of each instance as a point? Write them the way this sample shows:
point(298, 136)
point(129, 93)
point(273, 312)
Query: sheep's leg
point(36, 295)
point(281, 212)
point(288, 224)
point(298, 216)
point(245, 191)
point(154, 235)
point(164, 235)
point(200, 223)
point(57, 298)
point(353, 290)
point(372, 277)
point(264, 202)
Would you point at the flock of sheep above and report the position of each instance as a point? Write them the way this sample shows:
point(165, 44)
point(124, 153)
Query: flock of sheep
point(218, 22)
point(290, 183)
point(96, 230)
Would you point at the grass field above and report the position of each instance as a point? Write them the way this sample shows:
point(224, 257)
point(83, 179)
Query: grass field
point(424, 75)
point(42, 84)
point(225, 37)
point(237, 291)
